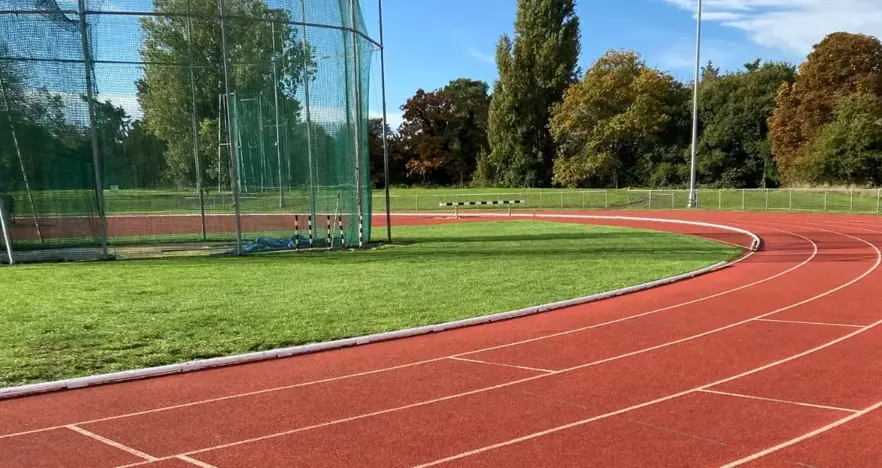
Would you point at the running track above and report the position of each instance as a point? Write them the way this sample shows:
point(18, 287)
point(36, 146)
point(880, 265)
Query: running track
point(773, 362)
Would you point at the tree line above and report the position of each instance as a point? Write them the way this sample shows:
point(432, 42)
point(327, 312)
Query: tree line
point(622, 123)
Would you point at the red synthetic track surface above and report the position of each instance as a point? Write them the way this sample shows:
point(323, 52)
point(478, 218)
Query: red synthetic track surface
point(773, 362)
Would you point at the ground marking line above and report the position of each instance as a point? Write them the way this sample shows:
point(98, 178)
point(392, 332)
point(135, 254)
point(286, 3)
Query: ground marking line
point(693, 390)
point(805, 436)
point(581, 366)
point(112, 443)
point(428, 361)
point(810, 323)
point(674, 431)
point(455, 358)
point(194, 461)
point(790, 402)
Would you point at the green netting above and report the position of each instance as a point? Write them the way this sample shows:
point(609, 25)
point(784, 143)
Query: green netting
point(138, 109)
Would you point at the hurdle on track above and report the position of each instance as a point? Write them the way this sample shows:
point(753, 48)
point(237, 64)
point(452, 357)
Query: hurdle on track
point(508, 203)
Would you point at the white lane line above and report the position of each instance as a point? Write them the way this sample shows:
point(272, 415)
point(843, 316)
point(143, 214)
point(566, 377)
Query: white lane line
point(775, 400)
point(111, 443)
point(581, 366)
point(800, 322)
point(803, 437)
point(547, 371)
point(194, 461)
point(696, 389)
point(428, 361)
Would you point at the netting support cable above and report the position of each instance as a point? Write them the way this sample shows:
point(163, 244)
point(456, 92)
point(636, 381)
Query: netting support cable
point(385, 144)
point(359, 198)
point(276, 112)
point(21, 163)
point(310, 166)
point(195, 124)
point(234, 151)
point(96, 151)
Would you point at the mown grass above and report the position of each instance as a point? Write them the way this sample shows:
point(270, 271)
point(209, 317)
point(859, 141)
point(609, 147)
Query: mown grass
point(67, 320)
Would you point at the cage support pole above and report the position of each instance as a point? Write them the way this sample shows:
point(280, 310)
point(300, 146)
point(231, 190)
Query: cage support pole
point(96, 151)
point(7, 238)
point(310, 167)
point(385, 144)
point(234, 149)
point(21, 164)
point(357, 140)
point(195, 123)
point(276, 112)
point(261, 144)
point(220, 119)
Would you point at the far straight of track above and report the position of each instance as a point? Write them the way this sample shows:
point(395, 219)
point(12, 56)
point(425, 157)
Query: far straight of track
point(773, 361)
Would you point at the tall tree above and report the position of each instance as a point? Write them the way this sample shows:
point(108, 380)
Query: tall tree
point(847, 150)
point(734, 149)
point(840, 65)
point(612, 119)
point(165, 92)
point(535, 68)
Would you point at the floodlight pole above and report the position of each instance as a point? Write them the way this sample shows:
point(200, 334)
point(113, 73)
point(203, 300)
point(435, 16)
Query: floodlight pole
point(234, 149)
point(195, 124)
point(310, 167)
point(693, 199)
point(385, 144)
point(356, 141)
point(96, 151)
point(276, 105)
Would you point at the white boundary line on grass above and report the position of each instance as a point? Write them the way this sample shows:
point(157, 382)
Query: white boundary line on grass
point(203, 364)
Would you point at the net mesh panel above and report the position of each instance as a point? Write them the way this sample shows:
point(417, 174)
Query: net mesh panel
point(167, 131)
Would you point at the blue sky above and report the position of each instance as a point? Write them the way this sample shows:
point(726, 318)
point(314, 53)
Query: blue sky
point(430, 42)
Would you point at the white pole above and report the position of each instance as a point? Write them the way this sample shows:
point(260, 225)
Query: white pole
point(385, 145)
point(7, 239)
point(234, 142)
point(692, 194)
point(276, 114)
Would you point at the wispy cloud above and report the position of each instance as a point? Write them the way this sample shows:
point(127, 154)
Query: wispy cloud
point(394, 119)
point(475, 53)
point(791, 25)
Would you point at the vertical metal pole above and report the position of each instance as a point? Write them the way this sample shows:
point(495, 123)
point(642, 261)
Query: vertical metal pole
point(851, 202)
point(96, 151)
point(720, 200)
point(791, 201)
point(21, 164)
point(606, 198)
point(357, 95)
point(7, 239)
point(650, 199)
point(385, 144)
point(260, 143)
point(583, 200)
point(276, 104)
point(878, 201)
point(310, 167)
point(673, 199)
point(743, 200)
point(234, 144)
point(194, 122)
point(692, 195)
point(561, 200)
point(825, 200)
point(767, 199)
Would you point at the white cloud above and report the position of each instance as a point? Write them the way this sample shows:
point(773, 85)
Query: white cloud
point(791, 25)
point(475, 53)
point(394, 119)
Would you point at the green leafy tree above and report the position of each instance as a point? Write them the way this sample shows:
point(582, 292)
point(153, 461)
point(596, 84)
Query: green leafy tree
point(165, 91)
point(613, 118)
point(840, 65)
point(848, 150)
point(734, 149)
point(535, 68)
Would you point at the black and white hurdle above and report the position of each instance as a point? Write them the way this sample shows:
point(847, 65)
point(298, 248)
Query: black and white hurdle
point(456, 205)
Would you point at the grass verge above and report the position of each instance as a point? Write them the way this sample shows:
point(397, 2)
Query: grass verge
point(68, 320)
